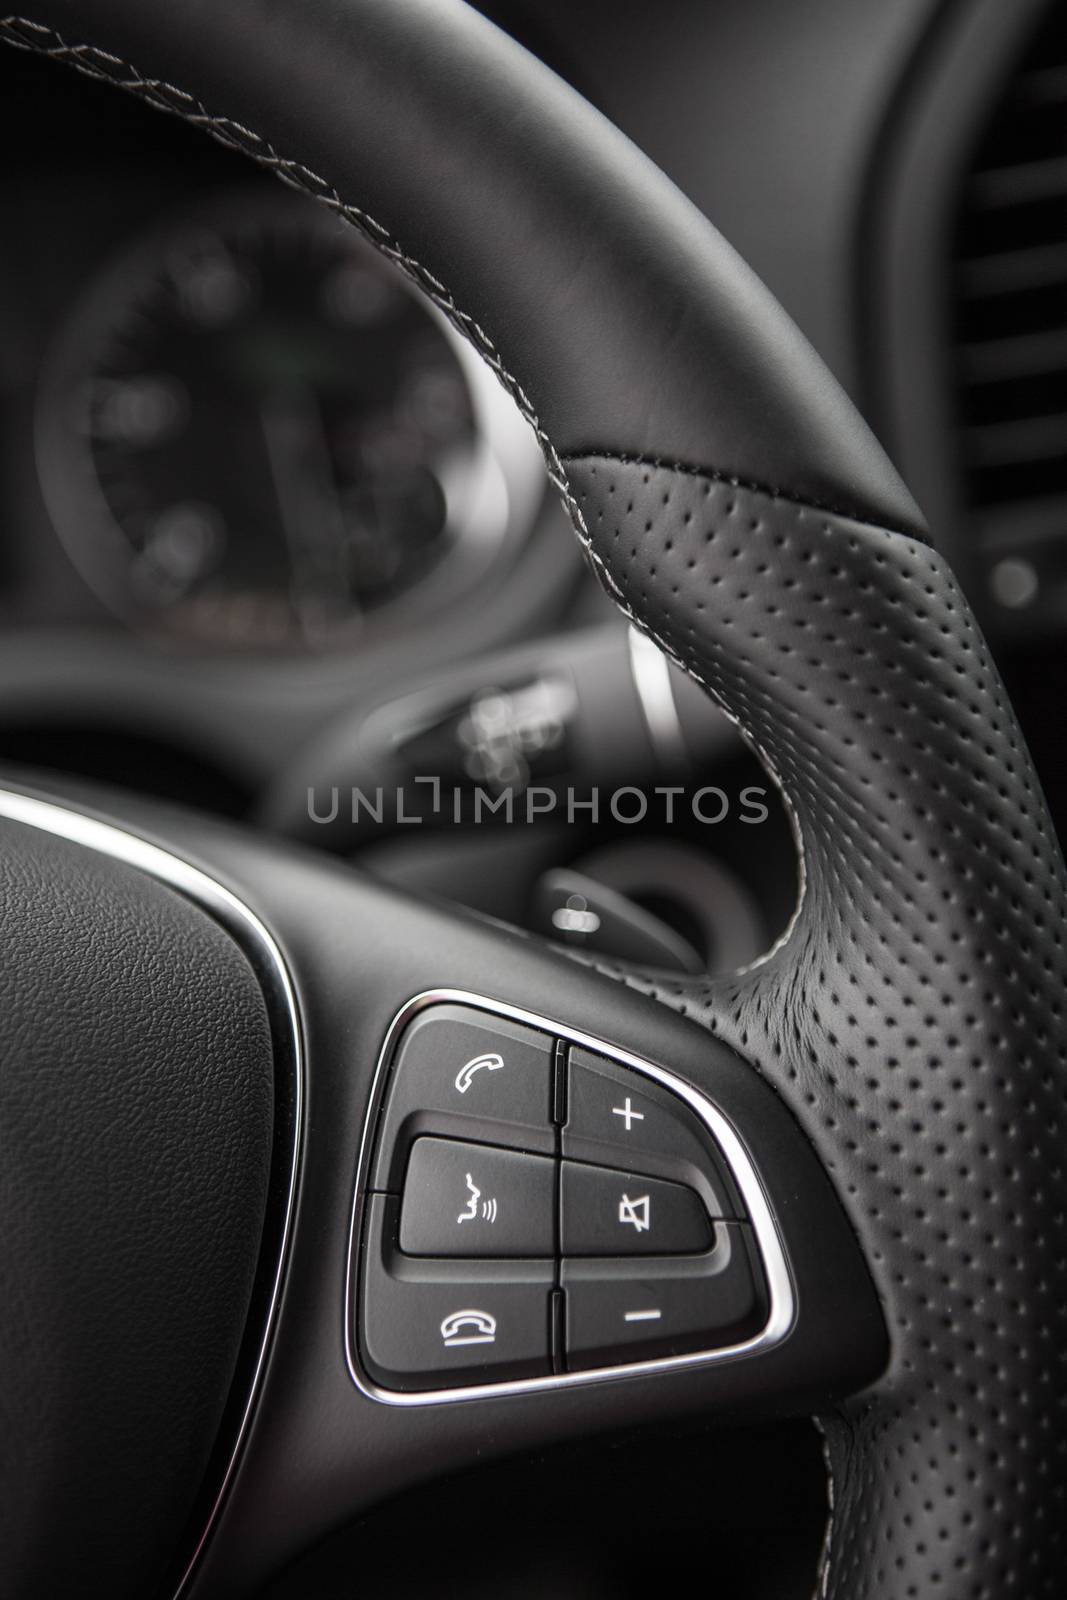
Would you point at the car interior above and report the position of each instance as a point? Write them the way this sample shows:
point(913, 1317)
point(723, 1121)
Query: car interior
point(385, 865)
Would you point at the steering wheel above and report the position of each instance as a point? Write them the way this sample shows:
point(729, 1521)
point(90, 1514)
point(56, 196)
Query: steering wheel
point(199, 1027)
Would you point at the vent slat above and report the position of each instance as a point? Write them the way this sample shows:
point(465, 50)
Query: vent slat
point(1009, 340)
point(1012, 444)
point(1019, 523)
point(986, 277)
point(999, 188)
point(1029, 354)
point(1045, 86)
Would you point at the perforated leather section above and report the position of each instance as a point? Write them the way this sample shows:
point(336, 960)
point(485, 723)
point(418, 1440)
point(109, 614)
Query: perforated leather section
point(913, 1016)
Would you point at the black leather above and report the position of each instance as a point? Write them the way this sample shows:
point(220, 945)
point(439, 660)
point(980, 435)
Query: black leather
point(912, 1018)
point(601, 296)
point(135, 1141)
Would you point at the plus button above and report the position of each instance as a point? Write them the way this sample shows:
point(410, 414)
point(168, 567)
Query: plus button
point(627, 1113)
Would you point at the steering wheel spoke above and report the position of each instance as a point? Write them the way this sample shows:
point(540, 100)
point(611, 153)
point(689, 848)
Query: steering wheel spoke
point(406, 1011)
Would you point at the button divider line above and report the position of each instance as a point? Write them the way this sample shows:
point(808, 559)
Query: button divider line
point(559, 1084)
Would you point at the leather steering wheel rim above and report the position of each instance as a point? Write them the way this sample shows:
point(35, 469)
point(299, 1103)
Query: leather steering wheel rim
point(737, 509)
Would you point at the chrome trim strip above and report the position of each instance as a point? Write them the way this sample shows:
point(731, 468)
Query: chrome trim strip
point(110, 840)
point(782, 1313)
point(651, 672)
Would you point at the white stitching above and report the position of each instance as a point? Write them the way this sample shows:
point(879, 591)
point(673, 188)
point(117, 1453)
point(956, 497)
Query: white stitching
point(822, 1577)
point(608, 582)
point(102, 65)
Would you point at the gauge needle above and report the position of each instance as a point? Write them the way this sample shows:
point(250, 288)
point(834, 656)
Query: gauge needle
point(310, 507)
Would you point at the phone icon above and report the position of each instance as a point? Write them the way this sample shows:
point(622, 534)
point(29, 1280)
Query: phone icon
point(486, 1063)
point(468, 1327)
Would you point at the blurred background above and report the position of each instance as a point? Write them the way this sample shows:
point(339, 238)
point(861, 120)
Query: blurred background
point(268, 529)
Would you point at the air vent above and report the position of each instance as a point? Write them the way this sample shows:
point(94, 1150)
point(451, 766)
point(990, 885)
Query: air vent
point(1010, 345)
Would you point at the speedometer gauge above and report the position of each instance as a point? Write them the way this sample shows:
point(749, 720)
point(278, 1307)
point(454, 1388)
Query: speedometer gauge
point(255, 432)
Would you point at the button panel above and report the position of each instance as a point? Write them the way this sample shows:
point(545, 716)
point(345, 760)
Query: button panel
point(534, 1209)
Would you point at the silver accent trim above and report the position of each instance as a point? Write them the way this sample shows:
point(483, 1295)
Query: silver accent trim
point(781, 1315)
point(239, 920)
point(651, 673)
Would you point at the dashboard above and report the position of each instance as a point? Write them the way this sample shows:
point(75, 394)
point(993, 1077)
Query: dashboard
point(251, 433)
point(249, 430)
point(248, 471)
